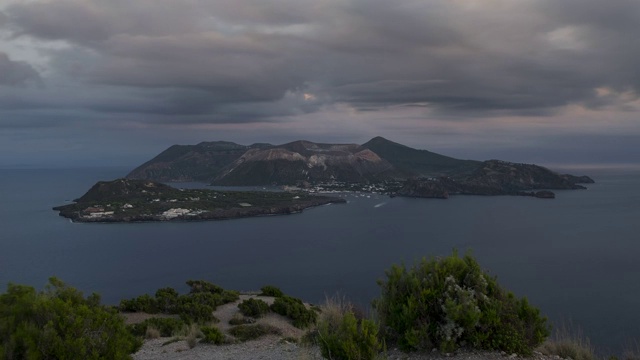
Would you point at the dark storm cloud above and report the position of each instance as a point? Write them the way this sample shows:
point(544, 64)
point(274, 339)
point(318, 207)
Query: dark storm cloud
point(257, 58)
point(16, 72)
point(59, 20)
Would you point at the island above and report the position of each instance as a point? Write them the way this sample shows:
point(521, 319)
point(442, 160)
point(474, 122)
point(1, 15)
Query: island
point(379, 165)
point(303, 169)
point(128, 200)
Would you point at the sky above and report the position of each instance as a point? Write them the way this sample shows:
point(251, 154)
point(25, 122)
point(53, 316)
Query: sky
point(116, 82)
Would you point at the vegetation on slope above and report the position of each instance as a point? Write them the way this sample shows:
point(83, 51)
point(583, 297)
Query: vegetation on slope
point(125, 200)
point(419, 162)
point(450, 302)
point(60, 323)
point(445, 303)
point(201, 162)
point(195, 307)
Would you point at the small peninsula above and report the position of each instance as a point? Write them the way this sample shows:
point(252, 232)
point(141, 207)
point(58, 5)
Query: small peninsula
point(127, 200)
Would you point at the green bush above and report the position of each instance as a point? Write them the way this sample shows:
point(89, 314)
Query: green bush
point(250, 332)
point(253, 307)
point(196, 307)
point(167, 300)
point(294, 309)
point(59, 323)
point(229, 296)
point(143, 303)
point(238, 319)
point(270, 290)
point(200, 286)
point(212, 335)
point(449, 302)
point(166, 326)
point(347, 338)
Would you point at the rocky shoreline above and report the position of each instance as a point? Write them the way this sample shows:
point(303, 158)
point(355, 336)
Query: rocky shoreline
point(219, 214)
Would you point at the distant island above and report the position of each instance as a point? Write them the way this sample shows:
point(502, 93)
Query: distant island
point(382, 164)
point(127, 200)
point(304, 168)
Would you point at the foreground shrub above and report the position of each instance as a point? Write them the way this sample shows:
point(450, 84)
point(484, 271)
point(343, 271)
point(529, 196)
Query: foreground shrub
point(251, 332)
point(449, 302)
point(59, 323)
point(270, 290)
point(166, 300)
point(196, 307)
point(238, 319)
point(200, 286)
point(229, 296)
point(212, 335)
point(253, 307)
point(342, 336)
point(143, 303)
point(165, 326)
point(294, 309)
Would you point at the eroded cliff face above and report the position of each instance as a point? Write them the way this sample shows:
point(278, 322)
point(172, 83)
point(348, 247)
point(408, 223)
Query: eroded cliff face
point(306, 161)
point(226, 163)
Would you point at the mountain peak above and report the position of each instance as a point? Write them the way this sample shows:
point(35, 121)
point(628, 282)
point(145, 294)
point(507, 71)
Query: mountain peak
point(420, 162)
point(380, 141)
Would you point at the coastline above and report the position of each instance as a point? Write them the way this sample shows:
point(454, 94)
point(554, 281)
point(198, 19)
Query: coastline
point(222, 214)
point(124, 200)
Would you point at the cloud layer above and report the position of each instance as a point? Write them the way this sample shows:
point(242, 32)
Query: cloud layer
point(272, 61)
point(16, 72)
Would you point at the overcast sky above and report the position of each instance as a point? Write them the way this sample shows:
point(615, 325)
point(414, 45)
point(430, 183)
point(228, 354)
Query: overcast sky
point(116, 82)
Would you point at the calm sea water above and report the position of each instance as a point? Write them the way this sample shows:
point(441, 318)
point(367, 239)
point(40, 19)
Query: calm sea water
point(576, 257)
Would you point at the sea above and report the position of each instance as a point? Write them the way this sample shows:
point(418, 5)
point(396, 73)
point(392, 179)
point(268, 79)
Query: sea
point(576, 257)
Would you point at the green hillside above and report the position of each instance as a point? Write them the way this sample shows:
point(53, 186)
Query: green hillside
point(420, 162)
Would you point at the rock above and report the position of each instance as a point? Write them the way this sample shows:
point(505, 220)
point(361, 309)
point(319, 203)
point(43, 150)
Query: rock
point(545, 195)
point(578, 179)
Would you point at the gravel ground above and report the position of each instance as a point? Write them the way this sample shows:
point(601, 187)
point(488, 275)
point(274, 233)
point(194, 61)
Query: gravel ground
point(267, 348)
point(274, 348)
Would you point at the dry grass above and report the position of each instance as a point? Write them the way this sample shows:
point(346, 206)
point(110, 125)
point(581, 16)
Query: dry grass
point(193, 335)
point(569, 342)
point(334, 308)
point(632, 352)
point(152, 332)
